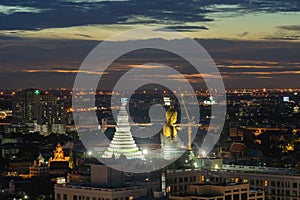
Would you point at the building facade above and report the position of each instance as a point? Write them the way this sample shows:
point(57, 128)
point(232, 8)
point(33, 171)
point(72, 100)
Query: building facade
point(38, 169)
point(25, 106)
point(33, 111)
point(225, 191)
point(106, 184)
point(277, 183)
point(72, 192)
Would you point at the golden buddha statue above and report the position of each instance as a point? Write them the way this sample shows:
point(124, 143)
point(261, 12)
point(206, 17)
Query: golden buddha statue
point(169, 129)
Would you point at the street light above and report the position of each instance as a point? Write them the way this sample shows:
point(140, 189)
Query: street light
point(203, 153)
point(145, 151)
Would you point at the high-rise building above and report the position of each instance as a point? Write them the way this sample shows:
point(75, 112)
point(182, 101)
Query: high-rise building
point(24, 106)
point(34, 111)
point(50, 115)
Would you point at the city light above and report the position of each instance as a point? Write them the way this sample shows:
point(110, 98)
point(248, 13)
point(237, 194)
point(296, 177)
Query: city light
point(145, 151)
point(197, 100)
point(36, 92)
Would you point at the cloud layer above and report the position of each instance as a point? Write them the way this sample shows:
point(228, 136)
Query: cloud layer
point(55, 63)
point(38, 14)
point(26, 62)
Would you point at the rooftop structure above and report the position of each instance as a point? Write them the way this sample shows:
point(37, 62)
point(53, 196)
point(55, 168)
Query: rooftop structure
point(219, 192)
point(275, 182)
point(106, 183)
point(59, 155)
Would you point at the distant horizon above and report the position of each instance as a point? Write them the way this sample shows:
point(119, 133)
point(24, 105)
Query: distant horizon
point(255, 44)
point(69, 89)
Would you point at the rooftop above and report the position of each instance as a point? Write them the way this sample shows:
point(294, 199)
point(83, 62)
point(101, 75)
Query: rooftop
point(257, 169)
point(91, 187)
point(219, 184)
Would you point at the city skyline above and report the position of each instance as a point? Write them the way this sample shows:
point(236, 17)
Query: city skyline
point(258, 150)
point(157, 99)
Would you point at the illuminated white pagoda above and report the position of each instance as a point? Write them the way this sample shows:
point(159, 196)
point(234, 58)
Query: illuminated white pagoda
point(123, 143)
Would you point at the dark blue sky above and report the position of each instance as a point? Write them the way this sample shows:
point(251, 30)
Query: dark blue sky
point(255, 43)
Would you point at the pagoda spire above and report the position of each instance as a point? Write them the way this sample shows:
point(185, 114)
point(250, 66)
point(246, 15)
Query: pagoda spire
point(123, 143)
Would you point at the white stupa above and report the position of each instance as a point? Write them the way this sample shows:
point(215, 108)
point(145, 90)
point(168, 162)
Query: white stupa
point(172, 151)
point(123, 142)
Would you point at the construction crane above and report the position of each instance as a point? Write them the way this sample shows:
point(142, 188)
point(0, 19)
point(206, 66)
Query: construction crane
point(189, 124)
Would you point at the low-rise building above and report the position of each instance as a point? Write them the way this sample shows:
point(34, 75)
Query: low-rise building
point(277, 183)
point(77, 192)
point(39, 169)
point(106, 184)
point(225, 191)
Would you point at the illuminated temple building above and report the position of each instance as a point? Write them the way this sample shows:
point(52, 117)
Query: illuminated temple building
point(59, 159)
point(123, 143)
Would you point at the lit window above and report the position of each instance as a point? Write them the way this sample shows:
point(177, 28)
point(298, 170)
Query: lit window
point(202, 178)
point(266, 183)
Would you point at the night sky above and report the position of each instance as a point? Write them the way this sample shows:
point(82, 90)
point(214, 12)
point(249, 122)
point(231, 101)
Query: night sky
point(255, 43)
